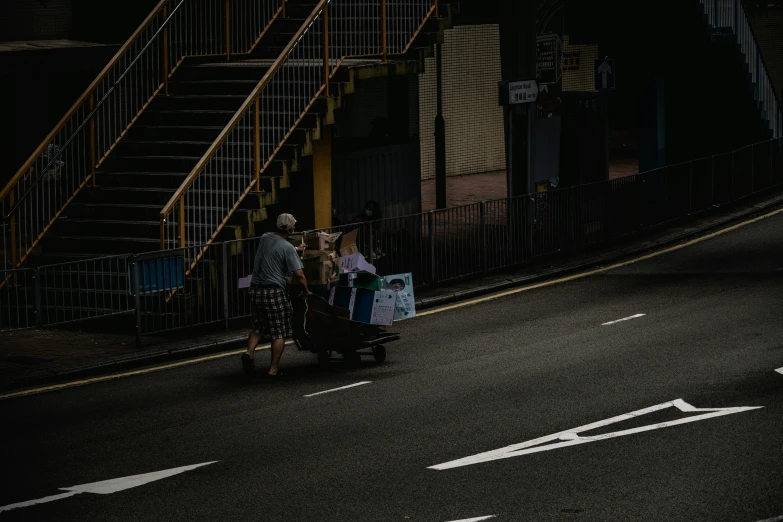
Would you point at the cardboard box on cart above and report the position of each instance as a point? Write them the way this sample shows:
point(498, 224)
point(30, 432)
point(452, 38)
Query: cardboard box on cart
point(321, 269)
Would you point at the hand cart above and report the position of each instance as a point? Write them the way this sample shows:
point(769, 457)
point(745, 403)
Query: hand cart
point(324, 329)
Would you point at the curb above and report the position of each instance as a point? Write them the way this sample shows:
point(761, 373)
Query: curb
point(582, 265)
point(139, 360)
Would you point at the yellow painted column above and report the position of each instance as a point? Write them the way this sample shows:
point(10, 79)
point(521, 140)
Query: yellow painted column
point(322, 178)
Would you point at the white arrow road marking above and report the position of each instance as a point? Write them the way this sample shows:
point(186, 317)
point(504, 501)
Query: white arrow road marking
point(106, 487)
point(571, 437)
point(780, 371)
point(338, 389)
point(774, 519)
point(477, 519)
point(623, 319)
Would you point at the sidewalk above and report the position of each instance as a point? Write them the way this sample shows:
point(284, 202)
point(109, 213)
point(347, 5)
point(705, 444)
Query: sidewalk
point(35, 357)
point(463, 190)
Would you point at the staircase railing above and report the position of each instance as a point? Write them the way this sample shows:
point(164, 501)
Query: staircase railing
point(231, 168)
point(66, 160)
point(731, 15)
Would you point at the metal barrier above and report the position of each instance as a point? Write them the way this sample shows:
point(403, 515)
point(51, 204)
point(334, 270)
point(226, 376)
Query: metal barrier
point(199, 286)
point(730, 16)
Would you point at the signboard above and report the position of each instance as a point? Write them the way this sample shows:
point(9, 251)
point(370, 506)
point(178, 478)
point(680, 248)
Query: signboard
point(514, 93)
point(549, 55)
point(578, 73)
point(604, 75)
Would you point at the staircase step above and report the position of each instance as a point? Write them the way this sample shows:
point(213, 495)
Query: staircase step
point(187, 102)
point(183, 148)
point(90, 227)
point(202, 133)
point(165, 163)
point(122, 195)
point(241, 70)
point(96, 245)
point(224, 87)
point(189, 118)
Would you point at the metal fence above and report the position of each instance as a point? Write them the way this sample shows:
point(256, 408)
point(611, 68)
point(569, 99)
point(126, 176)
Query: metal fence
point(199, 286)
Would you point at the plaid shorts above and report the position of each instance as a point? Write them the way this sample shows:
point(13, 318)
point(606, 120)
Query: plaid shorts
point(271, 312)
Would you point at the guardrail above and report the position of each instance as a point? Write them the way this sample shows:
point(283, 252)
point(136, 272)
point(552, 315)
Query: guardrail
point(730, 15)
point(168, 293)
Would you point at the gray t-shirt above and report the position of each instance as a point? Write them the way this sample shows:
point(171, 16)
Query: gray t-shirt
point(275, 259)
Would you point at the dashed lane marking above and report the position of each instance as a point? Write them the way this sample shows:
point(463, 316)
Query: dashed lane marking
point(623, 319)
point(338, 389)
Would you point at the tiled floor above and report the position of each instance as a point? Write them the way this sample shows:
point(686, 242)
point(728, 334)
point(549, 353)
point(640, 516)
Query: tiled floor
point(463, 190)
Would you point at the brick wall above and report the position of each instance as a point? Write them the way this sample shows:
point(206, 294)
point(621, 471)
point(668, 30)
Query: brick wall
point(35, 19)
point(768, 26)
point(474, 121)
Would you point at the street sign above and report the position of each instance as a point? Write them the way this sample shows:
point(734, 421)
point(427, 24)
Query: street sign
point(574, 436)
point(525, 91)
point(604, 74)
point(517, 92)
point(549, 58)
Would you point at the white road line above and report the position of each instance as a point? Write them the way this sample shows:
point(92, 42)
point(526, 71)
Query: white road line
point(623, 319)
point(106, 487)
point(775, 519)
point(479, 519)
point(780, 371)
point(340, 388)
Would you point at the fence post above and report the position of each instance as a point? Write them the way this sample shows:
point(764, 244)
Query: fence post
point(282, 8)
point(224, 283)
point(483, 236)
point(384, 35)
point(137, 298)
point(431, 234)
point(371, 239)
point(14, 253)
point(37, 297)
point(165, 51)
point(690, 188)
point(326, 49)
point(181, 224)
point(257, 144)
point(228, 30)
point(93, 181)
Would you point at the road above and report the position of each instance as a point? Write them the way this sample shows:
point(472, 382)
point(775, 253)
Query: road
point(465, 381)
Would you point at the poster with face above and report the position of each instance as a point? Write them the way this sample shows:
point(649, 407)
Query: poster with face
point(405, 306)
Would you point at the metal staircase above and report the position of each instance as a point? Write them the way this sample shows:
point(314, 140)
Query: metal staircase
point(728, 22)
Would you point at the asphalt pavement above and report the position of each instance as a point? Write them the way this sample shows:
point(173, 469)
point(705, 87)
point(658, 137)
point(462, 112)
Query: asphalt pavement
point(686, 342)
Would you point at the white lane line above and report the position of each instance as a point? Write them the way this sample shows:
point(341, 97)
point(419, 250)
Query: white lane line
point(479, 519)
point(337, 389)
point(624, 319)
point(775, 519)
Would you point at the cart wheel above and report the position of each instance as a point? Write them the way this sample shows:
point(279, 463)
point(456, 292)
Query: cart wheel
point(352, 359)
point(379, 352)
point(324, 358)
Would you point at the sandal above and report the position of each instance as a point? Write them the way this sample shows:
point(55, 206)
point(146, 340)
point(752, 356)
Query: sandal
point(280, 373)
point(248, 365)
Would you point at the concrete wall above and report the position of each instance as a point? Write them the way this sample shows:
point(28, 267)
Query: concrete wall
point(474, 121)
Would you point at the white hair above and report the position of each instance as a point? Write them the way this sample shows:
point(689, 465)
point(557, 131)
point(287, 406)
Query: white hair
point(285, 223)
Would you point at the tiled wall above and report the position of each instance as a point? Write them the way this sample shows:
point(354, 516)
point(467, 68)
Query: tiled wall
point(474, 121)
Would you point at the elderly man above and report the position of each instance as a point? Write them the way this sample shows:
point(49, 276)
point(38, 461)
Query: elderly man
point(270, 307)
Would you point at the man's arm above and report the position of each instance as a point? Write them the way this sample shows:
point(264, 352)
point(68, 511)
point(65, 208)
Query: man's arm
point(298, 277)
